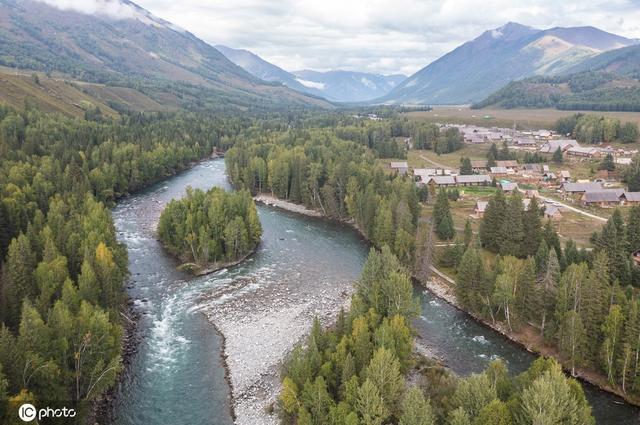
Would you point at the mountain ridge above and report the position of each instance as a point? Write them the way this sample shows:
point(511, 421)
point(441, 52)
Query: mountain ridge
point(487, 63)
point(335, 85)
point(133, 48)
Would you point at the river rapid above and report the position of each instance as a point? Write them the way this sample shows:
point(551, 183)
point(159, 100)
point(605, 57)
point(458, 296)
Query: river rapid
point(207, 338)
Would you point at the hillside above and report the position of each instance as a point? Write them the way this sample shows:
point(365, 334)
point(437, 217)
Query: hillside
point(262, 69)
point(126, 45)
point(622, 62)
point(479, 67)
point(74, 98)
point(338, 86)
point(607, 82)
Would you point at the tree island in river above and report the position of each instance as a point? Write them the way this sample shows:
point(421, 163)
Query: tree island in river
point(210, 230)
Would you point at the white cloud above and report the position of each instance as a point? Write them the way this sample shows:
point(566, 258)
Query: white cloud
point(382, 36)
point(112, 8)
point(311, 84)
point(115, 9)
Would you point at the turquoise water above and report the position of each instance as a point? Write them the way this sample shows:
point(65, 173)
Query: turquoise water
point(177, 376)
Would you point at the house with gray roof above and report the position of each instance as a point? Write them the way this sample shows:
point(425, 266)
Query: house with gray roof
point(632, 198)
point(604, 198)
point(441, 181)
point(400, 167)
point(508, 186)
point(473, 180)
point(552, 145)
point(571, 188)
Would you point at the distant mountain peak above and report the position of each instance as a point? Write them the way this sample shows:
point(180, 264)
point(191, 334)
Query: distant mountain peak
point(487, 63)
point(508, 31)
point(336, 85)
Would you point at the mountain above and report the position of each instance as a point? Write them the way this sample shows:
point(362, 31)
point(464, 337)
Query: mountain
point(590, 90)
point(479, 67)
point(339, 86)
point(622, 62)
point(349, 86)
point(609, 81)
point(116, 42)
point(262, 69)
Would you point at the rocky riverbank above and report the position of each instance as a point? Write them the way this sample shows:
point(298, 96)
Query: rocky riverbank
point(286, 205)
point(441, 286)
point(260, 329)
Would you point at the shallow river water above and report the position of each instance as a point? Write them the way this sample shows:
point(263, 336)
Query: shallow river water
point(177, 375)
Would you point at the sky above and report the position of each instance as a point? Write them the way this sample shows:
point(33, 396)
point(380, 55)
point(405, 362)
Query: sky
point(380, 36)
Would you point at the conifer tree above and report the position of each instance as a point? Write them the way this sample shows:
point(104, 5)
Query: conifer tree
point(370, 404)
point(557, 156)
point(465, 166)
point(20, 282)
point(443, 222)
point(628, 363)
point(468, 233)
point(494, 413)
point(473, 393)
point(552, 399)
point(491, 224)
point(470, 280)
point(458, 417)
point(424, 250)
point(613, 241)
point(542, 256)
point(511, 234)
point(532, 228)
point(633, 228)
point(415, 409)
point(595, 303)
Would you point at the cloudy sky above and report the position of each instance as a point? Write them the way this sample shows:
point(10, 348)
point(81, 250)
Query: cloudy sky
point(383, 36)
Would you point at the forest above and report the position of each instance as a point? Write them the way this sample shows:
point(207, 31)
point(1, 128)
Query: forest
point(589, 91)
point(595, 129)
point(340, 178)
point(210, 228)
point(584, 304)
point(362, 371)
point(63, 270)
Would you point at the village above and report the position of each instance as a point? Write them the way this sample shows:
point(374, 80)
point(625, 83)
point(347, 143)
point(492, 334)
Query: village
point(574, 193)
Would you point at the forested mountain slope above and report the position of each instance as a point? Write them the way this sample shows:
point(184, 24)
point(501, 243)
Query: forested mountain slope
point(609, 81)
point(481, 66)
point(125, 45)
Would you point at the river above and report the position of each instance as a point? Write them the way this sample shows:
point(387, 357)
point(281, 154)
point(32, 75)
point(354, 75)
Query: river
point(178, 374)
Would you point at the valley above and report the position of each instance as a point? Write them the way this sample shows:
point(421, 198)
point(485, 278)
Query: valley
point(299, 213)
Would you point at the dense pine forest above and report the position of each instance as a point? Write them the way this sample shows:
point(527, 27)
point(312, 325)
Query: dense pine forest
point(209, 229)
point(362, 371)
point(583, 304)
point(588, 91)
point(340, 178)
point(62, 268)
